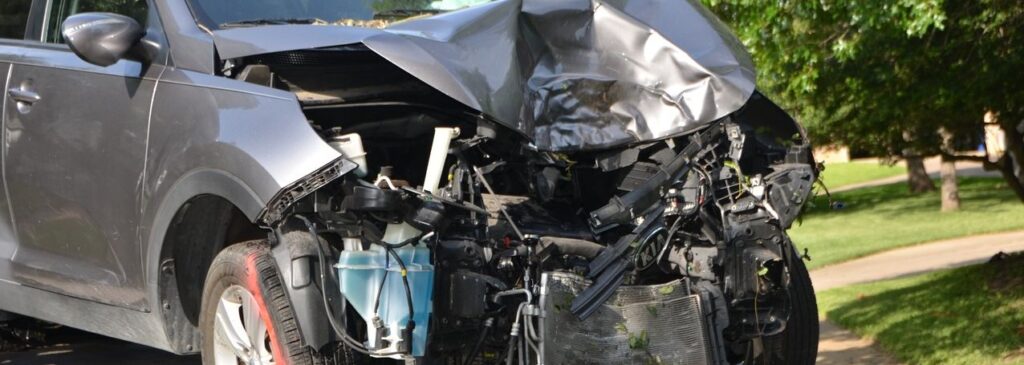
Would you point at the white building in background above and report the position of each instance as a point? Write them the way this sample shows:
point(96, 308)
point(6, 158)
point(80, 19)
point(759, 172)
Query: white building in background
point(832, 154)
point(995, 138)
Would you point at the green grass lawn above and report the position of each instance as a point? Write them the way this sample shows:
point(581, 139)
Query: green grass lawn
point(972, 315)
point(885, 217)
point(840, 174)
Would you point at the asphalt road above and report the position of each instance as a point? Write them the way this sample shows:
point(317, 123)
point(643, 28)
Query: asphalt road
point(66, 346)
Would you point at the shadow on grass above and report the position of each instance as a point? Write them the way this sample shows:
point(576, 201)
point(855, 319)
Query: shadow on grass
point(950, 317)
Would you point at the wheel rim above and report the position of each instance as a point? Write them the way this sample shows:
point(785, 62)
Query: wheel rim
point(240, 335)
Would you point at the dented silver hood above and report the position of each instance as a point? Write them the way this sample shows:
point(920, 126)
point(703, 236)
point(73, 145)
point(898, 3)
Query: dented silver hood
point(570, 74)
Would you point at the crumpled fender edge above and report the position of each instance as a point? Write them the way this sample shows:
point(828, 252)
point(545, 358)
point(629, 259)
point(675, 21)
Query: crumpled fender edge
point(275, 209)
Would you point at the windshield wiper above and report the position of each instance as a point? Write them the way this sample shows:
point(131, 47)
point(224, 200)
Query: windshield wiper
point(257, 22)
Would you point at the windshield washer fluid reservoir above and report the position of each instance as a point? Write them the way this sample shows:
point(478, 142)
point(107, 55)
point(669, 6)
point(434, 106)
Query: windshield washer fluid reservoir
point(360, 274)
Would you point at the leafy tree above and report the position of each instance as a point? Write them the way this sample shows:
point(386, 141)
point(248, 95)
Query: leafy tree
point(887, 76)
point(381, 6)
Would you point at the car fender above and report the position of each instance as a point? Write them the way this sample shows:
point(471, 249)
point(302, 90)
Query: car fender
point(211, 135)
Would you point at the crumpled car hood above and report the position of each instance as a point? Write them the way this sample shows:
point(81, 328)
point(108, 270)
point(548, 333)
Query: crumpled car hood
point(570, 74)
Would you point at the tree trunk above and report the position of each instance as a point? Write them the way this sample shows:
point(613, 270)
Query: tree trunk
point(1011, 174)
point(917, 175)
point(950, 189)
point(1012, 164)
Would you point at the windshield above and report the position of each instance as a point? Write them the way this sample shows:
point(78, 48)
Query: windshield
point(218, 14)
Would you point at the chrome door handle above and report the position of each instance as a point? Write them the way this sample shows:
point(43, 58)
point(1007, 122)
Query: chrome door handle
point(23, 96)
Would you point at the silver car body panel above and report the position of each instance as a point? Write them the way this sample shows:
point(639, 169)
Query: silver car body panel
point(212, 135)
point(73, 174)
point(571, 75)
point(138, 143)
point(193, 46)
point(8, 236)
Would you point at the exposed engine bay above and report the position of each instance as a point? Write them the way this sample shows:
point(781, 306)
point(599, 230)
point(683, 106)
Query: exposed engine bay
point(449, 239)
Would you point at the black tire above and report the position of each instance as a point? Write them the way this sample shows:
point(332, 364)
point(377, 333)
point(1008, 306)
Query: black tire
point(798, 343)
point(249, 265)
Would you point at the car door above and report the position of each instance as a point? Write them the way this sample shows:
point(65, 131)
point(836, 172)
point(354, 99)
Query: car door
point(75, 144)
point(14, 15)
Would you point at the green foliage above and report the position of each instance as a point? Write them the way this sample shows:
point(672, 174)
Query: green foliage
point(862, 73)
point(886, 217)
point(639, 341)
point(666, 290)
point(965, 316)
point(381, 6)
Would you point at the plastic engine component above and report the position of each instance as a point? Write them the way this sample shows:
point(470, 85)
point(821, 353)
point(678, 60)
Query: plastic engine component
point(373, 200)
point(361, 274)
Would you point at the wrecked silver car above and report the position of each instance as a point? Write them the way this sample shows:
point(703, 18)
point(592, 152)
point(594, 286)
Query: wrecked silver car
point(435, 182)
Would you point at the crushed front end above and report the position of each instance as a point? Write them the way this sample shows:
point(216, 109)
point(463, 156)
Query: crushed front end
point(598, 189)
point(672, 251)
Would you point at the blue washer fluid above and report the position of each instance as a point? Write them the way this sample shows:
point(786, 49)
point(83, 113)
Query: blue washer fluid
point(361, 273)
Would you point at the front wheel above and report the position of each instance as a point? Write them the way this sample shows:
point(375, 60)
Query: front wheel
point(798, 343)
point(246, 315)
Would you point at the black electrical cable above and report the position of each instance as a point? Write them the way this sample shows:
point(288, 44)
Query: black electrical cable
point(398, 245)
point(405, 282)
point(376, 302)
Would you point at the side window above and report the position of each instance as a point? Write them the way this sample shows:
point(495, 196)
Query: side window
point(62, 9)
point(13, 18)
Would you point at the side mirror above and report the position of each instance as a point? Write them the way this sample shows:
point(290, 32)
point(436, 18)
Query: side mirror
point(101, 38)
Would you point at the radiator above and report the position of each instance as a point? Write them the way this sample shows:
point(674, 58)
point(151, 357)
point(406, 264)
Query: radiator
point(645, 324)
